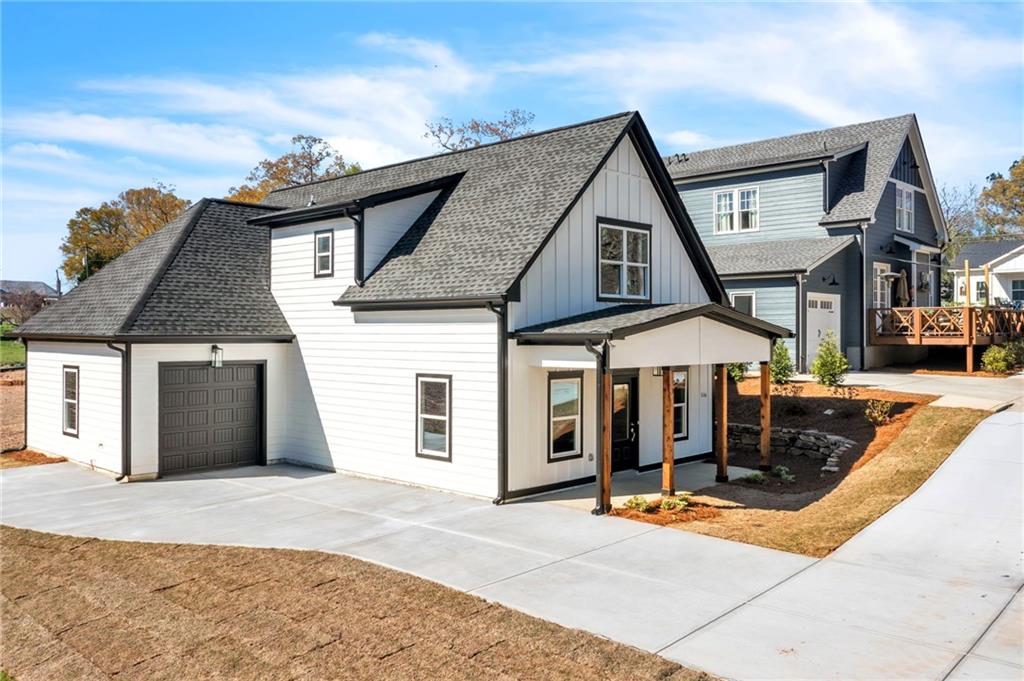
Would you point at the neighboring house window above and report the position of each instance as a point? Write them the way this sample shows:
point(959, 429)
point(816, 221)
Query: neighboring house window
point(434, 416)
point(680, 414)
point(980, 291)
point(1017, 290)
point(565, 432)
point(737, 210)
point(625, 261)
point(70, 401)
point(904, 209)
point(881, 288)
point(743, 301)
point(323, 260)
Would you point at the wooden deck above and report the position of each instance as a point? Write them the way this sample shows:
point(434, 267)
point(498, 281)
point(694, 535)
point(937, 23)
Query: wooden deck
point(962, 326)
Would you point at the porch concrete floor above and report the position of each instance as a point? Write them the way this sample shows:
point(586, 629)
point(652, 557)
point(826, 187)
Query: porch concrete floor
point(625, 484)
point(930, 590)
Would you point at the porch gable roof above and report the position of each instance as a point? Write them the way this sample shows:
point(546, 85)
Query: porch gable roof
point(621, 321)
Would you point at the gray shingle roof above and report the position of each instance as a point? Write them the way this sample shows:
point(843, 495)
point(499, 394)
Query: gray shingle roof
point(620, 321)
point(207, 273)
point(782, 255)
point(15, 286)
point(858, 192)
point(981, 252)
point(479, 235)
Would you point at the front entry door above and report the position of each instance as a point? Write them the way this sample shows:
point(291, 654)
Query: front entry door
point(625, 426)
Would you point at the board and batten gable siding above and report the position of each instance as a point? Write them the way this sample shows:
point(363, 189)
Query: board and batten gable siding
point(790, 204)
point(145, 377)
point(562, 281)
point(774, 301)
point(354, 376)
point(99, 419)
point(905, 169)
point(384, 225)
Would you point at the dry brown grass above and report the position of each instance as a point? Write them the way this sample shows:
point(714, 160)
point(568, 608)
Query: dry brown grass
point(27, 457)
point(73, 608)
point(12, 409)
point(818, 528)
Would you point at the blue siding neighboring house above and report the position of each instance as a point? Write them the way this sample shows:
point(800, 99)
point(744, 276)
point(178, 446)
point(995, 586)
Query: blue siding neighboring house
point(810, 225)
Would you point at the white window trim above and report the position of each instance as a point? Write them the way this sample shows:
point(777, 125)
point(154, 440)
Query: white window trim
point(577, 452)
point(736, 229)
point(65, 400)
point(753, 300)
point(903, 191)
point(876, 269)
point(685, 434)
point(317, 254)
point(421, 451)
point(624, 264)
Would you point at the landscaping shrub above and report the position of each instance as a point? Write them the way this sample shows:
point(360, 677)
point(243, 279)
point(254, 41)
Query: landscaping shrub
point(757, 478)
point(737, 371)
point(997, 360)
point(781, 365)
point(879, 412)
point(1015, 351)
point(638, 503)
point(783, 474)
point(675, 503)
point(830, 365)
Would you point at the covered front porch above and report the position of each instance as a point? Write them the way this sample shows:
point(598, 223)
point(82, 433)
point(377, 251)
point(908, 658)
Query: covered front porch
point(638, 391)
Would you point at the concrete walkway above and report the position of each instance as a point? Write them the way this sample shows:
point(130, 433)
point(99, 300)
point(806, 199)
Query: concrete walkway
point(972, 392)
point(931, 590)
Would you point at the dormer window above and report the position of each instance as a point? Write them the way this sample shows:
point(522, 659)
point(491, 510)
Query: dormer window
point(624, 260)
point(904, 209)
point(737, 210)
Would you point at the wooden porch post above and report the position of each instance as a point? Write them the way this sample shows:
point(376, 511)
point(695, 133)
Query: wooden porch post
point(606, 442)
point(988, 289)
point(917, 326)
point(969, 337)
point(668, 443)
point(766, 418)
point(721, 425)
point(967, 282)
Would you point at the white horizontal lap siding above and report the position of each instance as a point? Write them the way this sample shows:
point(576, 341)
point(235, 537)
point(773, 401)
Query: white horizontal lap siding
point(385, 224)
point(146, 360)
point(99, 421)
point(354, 380)
point(563, 279)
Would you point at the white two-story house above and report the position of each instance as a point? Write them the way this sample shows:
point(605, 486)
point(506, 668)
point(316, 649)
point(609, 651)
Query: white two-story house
point(498, 321)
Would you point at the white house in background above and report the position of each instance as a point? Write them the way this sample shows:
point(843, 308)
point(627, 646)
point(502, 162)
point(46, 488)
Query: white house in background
point(498, 321)
point(1005, 262)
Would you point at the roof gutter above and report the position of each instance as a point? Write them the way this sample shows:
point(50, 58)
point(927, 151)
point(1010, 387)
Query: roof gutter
point(750, 170)
point(126, 409)
point(420, 303)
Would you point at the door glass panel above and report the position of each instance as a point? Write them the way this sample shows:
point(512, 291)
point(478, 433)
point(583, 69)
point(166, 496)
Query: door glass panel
point(620, 411)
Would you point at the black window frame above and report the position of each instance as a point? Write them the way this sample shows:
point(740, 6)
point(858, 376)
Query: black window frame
point(449, 418)
point(317, 274)
point(64, 400)
point(600, 222)
point(560, 376)
point(685, 435)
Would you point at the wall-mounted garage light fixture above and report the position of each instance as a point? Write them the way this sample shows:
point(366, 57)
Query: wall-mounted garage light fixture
point(217, 356)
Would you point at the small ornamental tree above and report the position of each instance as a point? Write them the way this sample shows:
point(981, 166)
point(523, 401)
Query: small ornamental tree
point(781, 366)
point(830, 365)
point(737, 371)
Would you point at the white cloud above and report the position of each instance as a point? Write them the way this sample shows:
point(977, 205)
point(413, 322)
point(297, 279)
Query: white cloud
point(686, 139)
point(30, 150)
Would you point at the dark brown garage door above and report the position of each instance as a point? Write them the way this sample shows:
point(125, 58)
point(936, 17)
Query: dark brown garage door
point(209, 417)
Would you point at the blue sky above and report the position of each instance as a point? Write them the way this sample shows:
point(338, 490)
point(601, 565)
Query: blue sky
point(101, 97)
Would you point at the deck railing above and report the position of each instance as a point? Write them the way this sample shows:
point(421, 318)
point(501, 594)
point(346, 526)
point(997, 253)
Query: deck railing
point(943, 325)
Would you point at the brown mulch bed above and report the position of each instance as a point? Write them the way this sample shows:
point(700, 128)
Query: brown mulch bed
point(658, 516)
point(807, 411)
point(12, 410)
point(75, 608)
point(27, 457)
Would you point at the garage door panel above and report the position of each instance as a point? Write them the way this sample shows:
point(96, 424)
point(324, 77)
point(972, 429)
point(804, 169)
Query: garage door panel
point(214, 421)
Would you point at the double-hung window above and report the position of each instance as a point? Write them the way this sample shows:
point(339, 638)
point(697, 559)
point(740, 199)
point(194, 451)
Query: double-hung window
point(1017, 290)
point(565, 394)
point(323, 255)
point(70, 401)
point(680, 415)
point(737, 210)
point(744, 301)
point(904, 209)
point(624, 267)
point(434, 416)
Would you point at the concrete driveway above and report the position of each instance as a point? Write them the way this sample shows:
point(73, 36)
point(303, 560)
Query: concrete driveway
point(931, 590)
point(972, 392)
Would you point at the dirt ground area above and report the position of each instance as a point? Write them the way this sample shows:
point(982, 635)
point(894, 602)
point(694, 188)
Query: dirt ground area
point(805, 409)
point(76, 608)
point(12, 409)
point(26, 457)
point(817, 522)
